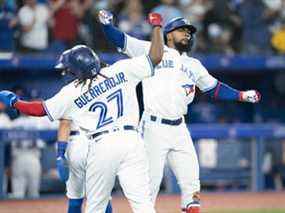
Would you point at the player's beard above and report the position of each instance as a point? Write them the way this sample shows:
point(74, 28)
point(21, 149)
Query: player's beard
point(183, 47)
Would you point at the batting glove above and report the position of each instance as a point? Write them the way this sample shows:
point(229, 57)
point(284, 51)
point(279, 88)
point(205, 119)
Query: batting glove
point(61, 162)
point(8, 98)
point(105, 17)
point(155, 19)
point(251, 96)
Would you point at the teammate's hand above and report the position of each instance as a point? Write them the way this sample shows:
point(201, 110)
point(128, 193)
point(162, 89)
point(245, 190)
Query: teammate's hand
point(105, 17)
point(61, 162)
point(155, 19)
point(62, 168)
point(251, 96)
point(8, 98)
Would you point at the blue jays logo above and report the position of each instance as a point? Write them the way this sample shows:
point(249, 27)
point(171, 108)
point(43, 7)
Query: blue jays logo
point(189, 88)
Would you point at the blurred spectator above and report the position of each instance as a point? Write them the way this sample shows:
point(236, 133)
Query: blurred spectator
point(26, 166)
point(274, 163)
point(26, 153)
point(5, 123)
point(266, 168)
point(133, 21)
point(208, 152)
point(221, 30)
point(194, 11)
point(33, 18)
point(276, 20)
point(168, 9)
point(278, 40)
point(7, 24)
point(255, 27)
point(67, 15)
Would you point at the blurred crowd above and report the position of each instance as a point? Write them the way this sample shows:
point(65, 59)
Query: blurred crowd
point(28, 160)
point(224, 26)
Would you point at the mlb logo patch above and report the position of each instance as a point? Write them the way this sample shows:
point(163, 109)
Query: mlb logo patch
point(189, 88)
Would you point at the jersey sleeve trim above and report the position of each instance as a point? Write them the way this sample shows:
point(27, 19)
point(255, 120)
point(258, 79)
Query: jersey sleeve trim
point(123, 50)
point(151, 65)
point(211, 87)
point(47, 111)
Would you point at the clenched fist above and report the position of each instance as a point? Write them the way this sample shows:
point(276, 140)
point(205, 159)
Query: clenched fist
point(155, 19)
point(251, 96)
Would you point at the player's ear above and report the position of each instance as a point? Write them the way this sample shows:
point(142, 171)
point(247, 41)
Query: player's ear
point(169, 37)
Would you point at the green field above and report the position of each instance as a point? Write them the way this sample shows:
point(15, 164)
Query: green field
point(246, 211)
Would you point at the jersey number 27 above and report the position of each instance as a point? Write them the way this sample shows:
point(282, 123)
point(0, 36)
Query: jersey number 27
point(104, 119)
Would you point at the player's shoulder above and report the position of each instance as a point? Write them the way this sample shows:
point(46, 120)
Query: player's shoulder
point(70, 88)
point(114, 67)
point(170, 50)
point(125, 62)
point(190, 59)
point(70, 85)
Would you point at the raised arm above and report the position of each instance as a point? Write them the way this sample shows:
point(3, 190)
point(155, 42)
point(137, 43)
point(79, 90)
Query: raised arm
point(156, 48)
point(129, 45)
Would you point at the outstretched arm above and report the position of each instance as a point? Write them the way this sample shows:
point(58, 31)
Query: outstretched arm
point(225, 92)
point(216, 89)
point(33, 108)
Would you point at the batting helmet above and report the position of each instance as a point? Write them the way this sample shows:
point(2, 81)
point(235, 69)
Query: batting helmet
point(81, 61)
point(176, 23)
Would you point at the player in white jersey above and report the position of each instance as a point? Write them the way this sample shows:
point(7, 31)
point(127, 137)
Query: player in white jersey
point(103, 103)
point(166, 97)
point(71, 164)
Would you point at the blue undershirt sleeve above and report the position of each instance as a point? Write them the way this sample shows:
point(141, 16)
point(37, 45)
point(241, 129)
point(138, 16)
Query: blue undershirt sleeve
point(224, 92)
point(114, 35)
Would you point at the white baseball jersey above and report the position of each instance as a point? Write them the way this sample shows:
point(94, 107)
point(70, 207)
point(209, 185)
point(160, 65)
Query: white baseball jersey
point(169, 92)
point(76, 154)
point(108, 103)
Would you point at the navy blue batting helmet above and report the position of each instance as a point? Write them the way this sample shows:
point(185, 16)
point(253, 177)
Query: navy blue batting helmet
point(81, 61)
point(176, 23)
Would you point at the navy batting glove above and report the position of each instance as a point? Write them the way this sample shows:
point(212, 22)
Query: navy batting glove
point(61, 162)
point(8, 98)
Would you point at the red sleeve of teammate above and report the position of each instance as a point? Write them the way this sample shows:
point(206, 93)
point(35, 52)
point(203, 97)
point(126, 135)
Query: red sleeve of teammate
point(33, 108)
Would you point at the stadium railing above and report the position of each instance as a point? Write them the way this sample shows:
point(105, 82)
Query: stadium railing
point(258, 133)
point(10, 61)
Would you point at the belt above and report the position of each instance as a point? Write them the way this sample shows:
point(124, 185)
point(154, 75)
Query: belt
point(167, 121)
point(126, 127)
point(72, 133)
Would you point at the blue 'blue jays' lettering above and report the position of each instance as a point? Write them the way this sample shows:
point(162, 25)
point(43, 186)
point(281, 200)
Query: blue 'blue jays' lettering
point(165, 64)
point(99, 89)
point(188, 72)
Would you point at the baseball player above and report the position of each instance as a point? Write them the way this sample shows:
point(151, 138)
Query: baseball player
point(102, 102)
point(166, 97)
point(71, 162)
point(26, 164)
